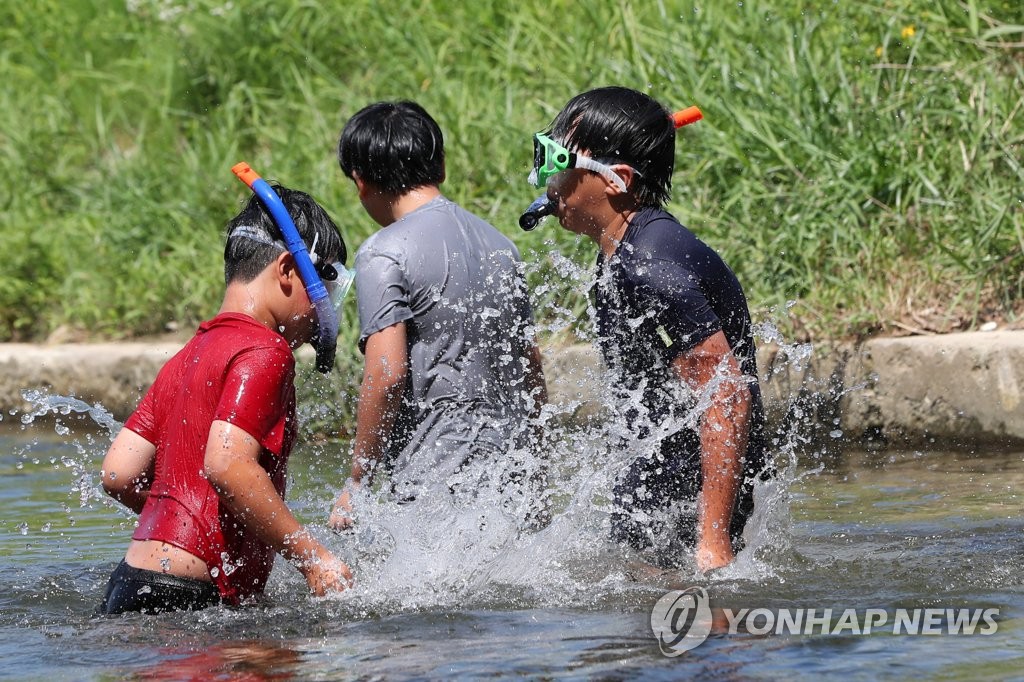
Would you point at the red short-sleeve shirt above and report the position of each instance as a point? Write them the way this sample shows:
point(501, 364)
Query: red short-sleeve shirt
point(234, 370)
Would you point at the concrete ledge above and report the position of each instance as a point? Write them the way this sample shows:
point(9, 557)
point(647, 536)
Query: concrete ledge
point(112, 374)
point(953, 391)
point(956, 388)
point(950, 391)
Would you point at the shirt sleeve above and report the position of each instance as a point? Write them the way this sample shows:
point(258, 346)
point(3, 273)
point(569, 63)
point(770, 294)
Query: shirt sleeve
point(257, 393)
point(684, 313)
point(143, 420)
point(382, 294)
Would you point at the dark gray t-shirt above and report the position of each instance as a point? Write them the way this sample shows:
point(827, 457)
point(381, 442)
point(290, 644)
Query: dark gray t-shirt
point(458, 285)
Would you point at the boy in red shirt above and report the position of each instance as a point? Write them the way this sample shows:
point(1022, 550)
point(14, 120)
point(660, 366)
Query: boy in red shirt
point(203, 458)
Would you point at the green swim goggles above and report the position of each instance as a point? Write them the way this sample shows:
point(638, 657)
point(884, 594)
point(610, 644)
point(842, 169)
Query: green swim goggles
point(551, 158)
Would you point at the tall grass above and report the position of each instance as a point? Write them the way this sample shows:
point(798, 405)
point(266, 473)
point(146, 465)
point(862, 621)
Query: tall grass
point(862, 158)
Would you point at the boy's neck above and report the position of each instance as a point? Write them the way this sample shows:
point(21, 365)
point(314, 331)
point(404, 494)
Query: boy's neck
point(262, 300)
point(393, 207)
point(615, 226)
point(248, 299)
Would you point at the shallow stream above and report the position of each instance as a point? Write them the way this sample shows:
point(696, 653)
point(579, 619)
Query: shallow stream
point(466, 597)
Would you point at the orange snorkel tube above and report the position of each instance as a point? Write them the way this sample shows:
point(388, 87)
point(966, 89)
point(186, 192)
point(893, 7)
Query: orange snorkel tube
point(685, 117)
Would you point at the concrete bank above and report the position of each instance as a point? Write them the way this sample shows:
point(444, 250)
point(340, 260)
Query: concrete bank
point(951, 391)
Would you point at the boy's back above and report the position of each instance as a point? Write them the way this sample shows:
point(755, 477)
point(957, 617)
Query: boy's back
point(234, 370)
point(456, 283)
point(203, 458)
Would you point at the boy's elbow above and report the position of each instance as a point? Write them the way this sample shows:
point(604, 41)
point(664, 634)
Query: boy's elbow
point(116, 484)
point(111, 487)
point(216, 470)
point(389, 379)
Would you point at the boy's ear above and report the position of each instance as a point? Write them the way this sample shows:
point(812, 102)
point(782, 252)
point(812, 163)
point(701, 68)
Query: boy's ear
point(624, 171)
point(361, 186)
point(284, 269)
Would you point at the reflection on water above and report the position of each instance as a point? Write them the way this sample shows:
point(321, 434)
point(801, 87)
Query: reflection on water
point(240, 660)
point(938, 486)
point(854, 530)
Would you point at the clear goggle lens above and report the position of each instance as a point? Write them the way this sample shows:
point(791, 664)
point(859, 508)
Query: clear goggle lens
point(337, 280)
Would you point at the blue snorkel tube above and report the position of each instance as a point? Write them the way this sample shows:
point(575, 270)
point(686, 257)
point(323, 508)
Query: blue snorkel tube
point(326, 341)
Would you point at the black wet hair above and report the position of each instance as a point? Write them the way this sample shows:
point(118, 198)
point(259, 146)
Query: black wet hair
point(394, 146)
point(245, 258)
point(619, 125)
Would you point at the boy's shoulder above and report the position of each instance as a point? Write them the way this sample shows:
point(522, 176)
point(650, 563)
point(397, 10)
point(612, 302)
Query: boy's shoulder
point(655, 231)
point(231, 334)
point(440, 218)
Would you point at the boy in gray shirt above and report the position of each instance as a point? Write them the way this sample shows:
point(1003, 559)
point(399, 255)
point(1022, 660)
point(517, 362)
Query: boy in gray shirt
point(452, 372)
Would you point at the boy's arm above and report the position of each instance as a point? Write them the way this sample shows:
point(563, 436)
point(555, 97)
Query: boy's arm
point(380, 396)
point(723, 442)
point(232, 467)
point(536, 385)
point(128, 469)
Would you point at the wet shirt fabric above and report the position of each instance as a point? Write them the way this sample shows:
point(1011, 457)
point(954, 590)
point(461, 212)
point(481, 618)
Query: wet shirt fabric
point(234, 370)
point(661, 294)
point(456, 283)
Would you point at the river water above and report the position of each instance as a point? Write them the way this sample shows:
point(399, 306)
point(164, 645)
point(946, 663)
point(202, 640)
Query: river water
point(466, 597)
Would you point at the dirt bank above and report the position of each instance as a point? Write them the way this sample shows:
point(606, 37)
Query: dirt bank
point(953, 390)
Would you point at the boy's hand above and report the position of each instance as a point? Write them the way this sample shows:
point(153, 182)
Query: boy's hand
point(714, 553)
point(341, 515)
point(327, 574)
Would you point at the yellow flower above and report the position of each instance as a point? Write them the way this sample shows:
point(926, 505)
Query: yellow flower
point(907, 32)
point(878, 51)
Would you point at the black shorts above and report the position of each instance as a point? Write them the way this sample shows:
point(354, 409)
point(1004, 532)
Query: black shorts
point(655, 502)
point(138, 589)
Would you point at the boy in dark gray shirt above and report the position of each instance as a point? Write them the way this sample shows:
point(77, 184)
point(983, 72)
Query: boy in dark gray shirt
point(673, 324)
point(452, 372)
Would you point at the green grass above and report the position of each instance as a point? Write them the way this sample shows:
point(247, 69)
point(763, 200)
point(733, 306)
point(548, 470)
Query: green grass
point(871, 175)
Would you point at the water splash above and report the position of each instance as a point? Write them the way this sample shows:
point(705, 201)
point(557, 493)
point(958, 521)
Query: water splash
point(443, 551)
point(82, 466)
point(489, 547)
point(60, 405)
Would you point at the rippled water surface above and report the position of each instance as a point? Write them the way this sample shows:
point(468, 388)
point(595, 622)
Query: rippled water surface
point(460, 593)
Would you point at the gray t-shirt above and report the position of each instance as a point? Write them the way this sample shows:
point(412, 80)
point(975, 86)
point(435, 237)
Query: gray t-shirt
point(458, 285)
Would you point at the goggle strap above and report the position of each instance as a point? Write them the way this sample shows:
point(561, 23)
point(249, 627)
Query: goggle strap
point(586, 163)
point(256, 235)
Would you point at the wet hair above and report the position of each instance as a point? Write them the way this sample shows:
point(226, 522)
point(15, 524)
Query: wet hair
point(620, 125)
point(394, 146)
point(245, 258)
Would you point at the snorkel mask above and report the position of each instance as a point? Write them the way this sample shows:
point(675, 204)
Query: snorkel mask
point(551, 158)
point(326, 283)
